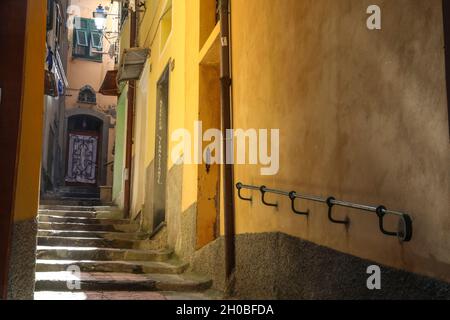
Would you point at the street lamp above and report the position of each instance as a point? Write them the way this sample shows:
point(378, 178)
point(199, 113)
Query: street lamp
point(100, 16)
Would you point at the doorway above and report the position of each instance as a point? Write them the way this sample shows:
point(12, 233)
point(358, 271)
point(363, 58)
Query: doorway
point(83, 150)
point(161, 152)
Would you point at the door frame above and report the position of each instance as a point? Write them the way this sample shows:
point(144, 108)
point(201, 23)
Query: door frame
point(104, 137)
point(158, 218)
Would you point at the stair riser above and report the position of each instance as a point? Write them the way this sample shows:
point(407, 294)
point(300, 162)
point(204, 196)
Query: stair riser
point(46, 285)
point(110, 285)
point(68, 208)
point(45, 218)
point(69, 214)
point(98, 243)
point(93, 267)
point(101, 255)
point(93, 234)
point(93, 227)
point(88, 227)
point(83, 214)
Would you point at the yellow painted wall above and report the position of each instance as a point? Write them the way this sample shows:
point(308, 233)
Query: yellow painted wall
point(363, 117)
point(150, 36)
point(27, 189)
point(189, 45)
point(192, 34)
point(180, 46)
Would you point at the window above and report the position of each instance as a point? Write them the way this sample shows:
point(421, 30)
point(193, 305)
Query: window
point(166, 24)
point(59, 22)
point(50, 14)
point(81, 36)
point(87, 95)
point(87, 40)
point(96, 40)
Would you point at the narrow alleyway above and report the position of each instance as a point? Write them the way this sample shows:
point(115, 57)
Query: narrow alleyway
point(115, 260)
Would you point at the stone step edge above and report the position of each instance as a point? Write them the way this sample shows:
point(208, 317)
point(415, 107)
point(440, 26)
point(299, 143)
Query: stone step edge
point(148, 282)
point(171, 266)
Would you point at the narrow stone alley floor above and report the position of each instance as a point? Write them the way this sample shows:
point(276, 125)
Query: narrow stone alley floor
point(90, 253)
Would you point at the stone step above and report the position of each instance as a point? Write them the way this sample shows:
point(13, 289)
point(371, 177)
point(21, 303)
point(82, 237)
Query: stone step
point(58, 281)
point(101, 254)
point(75, 214)
point(106, 214)
point(69, 201)
point(93, 234)
point(87, 227)
point(137, 267)
point(78, 208)
point(87, 242)
point(59, 219)
point(68, 208)
point(126, 295)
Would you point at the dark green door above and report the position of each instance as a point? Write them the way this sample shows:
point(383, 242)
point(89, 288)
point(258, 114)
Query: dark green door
point(161, 153)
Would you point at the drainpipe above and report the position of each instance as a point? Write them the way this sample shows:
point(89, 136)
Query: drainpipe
point(225, 101)
point(130, 122)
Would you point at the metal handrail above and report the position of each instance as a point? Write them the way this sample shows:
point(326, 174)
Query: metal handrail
point(404, 232)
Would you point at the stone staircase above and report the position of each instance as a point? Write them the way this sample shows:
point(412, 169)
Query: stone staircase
point(114, 259)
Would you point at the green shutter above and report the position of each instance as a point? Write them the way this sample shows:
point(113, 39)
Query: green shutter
point(82, 38)
point(96, 40)
point(91, 25)
point(86, 39)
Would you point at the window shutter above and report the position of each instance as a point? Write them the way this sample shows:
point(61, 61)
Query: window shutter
point(87, 40)
point(82, 39)
point(91, 25)
point(96, 40)
point(50, 16)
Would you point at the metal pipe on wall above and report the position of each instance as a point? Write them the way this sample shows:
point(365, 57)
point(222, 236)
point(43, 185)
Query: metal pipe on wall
point(225, 101)
point(130, 122)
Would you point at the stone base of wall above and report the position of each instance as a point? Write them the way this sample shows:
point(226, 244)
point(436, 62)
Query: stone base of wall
point(187, 237)
point(23, 261)
point(278, 266)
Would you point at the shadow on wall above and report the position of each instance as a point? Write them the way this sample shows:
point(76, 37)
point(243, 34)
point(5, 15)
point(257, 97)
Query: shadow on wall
point(278, 266)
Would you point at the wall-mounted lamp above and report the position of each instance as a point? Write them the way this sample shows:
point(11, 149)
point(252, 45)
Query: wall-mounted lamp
point(100, 16)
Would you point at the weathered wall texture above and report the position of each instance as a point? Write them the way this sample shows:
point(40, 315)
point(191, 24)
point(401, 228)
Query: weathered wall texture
point(119, 150)
point(278, 266)
point(363, 117)
point(147, 217)
point(23, 261)
point(144, 149)
point(23, 247)
point(173, 205)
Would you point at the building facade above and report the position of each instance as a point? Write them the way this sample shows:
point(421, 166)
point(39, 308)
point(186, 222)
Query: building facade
point(79, 120)
point(352, 99)
point(89, 118)
point(362, 116)
point(55, 88)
